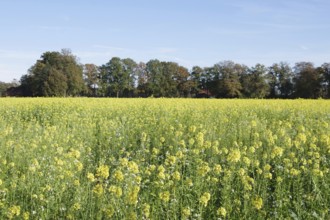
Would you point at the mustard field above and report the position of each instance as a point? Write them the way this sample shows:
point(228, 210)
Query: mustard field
point(81, 158)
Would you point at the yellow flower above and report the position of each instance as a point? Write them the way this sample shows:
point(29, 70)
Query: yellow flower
point(138, 179)
point(247, 183)
point(204, 199)
point(109, 211)
point(68, 173)
point(176, 175)
point(268, 175)
point(90, 177)
point(203, 169)
point(277, 152)
point(14, 211)
point(186, 212)
point(191, 142)
point(170, 160)
point(200, 139)
point(76, 182)
point(241, 172)
point(143, 137)
point(161, 175)
point(26, 215)
point(79, 166)
point(301, 137)
point(102, 172)
point(133, 167)
point(182, 143)
point(118, 175)
point(74, 153)
point(132, 195)
point(179, 154)
point(294, 172)
point(161, 169)
point(246, 161)
point(279, 179)
point(267, 167)
point(146, 210)
point(165, 196)
point(252, 150)
point(222, 212)
point(123, 162)
point(189, 182)
point(59, 162)
point(257, 203)
point(234, 156)
point(131, 215)
point(152, 167)
point(155, 151)
point(116, 190)
point(217, 168)
point(98, 190)
point(192, 129)
point(76, 206)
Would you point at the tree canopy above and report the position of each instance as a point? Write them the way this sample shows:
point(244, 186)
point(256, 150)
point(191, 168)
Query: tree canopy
point(55, 74)
point(60, 74)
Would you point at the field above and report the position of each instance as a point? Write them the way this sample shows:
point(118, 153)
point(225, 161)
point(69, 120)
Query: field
point(80, 158)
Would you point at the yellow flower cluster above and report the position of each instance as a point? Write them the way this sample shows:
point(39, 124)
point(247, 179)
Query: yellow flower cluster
point(102, 172)
point(204, 199)
point(257, 202)
point(164, 158)
point(165, 196)
point(234, 156)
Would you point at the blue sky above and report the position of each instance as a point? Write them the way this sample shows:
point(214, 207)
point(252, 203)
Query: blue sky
point(189, 32)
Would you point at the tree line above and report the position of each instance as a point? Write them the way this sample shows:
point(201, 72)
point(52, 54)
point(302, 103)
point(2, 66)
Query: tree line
point(59, 74)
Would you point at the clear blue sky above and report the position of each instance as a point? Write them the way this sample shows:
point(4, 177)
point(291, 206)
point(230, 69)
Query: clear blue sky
point(188, 32)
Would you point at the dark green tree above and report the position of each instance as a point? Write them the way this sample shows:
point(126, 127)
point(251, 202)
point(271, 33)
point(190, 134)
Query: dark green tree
point(162, 78)
point(5, 86)
point(185, 85)
point(208, 80)
point(55, 84)
point(255, 83)
point(227, 79)
point(280, 80)
point(73, 72)
point(325, 72)
point(130, 74)
point(143, 81)
point(308, 81)
point(118, 77)
point(196, 77)
point(168, 83)
point(55, 74)
point(91, 75)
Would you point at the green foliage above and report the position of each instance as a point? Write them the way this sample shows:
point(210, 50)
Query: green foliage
point(55, 74)
point(117, 77)
point(307, 81)
point(227, 79)
point(79, 158)
point(59, 74)
point(281, 80)
point(5, 86)
point(255, 82)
